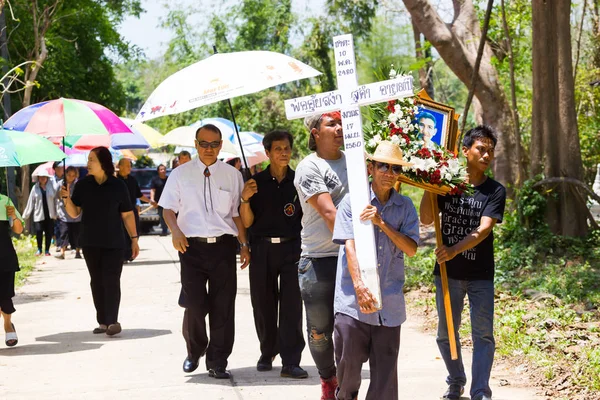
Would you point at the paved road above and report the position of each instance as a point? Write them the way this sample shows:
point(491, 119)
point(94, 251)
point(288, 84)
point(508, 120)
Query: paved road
point(59, 358)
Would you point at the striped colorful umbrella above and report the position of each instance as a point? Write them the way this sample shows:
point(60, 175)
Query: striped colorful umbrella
point(117, 141)
point(66, 118)
point(21, 148)
point(152, 136)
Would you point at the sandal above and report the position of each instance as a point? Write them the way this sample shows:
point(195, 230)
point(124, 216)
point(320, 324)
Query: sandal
point(11, 339)
point(99, 329)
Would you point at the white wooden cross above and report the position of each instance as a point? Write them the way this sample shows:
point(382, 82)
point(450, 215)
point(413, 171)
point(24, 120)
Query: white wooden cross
point(348, 98)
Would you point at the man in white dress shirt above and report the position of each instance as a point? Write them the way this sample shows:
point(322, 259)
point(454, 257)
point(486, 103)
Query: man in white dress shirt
point(205, 193)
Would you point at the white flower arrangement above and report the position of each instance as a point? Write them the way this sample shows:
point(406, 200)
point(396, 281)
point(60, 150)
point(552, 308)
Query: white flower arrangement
point(432, 164)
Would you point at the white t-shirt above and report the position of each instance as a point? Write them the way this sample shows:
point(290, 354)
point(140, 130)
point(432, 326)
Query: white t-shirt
point(206, 205)
point(316, 175)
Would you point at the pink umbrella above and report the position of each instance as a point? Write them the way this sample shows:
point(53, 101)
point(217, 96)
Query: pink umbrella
point(66, 118)
point(44, 169)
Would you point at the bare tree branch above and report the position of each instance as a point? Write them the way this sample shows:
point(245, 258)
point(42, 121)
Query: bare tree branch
point(570, 181)
point(579, 41)
point(475, 73)
point(513, 94)
point(425, 15)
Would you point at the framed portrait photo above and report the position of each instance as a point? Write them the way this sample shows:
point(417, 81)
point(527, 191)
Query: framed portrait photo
point(435, 122)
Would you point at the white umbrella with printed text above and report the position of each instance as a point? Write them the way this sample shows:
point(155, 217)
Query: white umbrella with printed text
point(223, 76)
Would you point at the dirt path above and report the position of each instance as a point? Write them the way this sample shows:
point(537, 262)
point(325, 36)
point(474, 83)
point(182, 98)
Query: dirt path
point(59, 358)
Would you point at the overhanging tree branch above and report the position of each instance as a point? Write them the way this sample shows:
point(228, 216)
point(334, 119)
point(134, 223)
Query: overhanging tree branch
point(475, 73)
point(579, 41)
point(513, 94)
point(570, 181)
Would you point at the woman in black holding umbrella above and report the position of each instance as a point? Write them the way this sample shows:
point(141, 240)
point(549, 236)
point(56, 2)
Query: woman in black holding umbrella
point(104, 201)
point(9, 265)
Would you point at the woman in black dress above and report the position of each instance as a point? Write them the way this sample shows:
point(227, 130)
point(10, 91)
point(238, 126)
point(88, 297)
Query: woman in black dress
point(9, 265)
point(103, 201)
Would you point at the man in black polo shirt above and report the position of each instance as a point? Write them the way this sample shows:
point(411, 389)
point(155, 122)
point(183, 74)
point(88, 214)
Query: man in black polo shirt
point(271, 209)
point(134, 193)
point(156, 188)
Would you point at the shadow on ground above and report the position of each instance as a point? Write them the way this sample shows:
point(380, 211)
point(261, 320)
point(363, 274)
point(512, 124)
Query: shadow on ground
point(153, 262)
point(48, 348)
point(69, 342)
point(24, 298)
point(249, 376)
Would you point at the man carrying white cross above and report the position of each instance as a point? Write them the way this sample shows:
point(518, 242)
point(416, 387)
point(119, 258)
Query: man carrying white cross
point(316, 108)
point(322, 182)
point(362, 331)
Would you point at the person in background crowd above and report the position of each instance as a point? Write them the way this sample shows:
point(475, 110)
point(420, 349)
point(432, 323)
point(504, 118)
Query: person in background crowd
point(201, 201)
point(10, 219)
point(271, 209)
point(42, 206)
point(235, 163)
point(68, 226)
point(156, 188)
point(322, 182)
point(104, 201)
point(468, 251)
point(59, 170)
point(59, 174)
point(184, 157)
point(364, 329)
point(135, 193)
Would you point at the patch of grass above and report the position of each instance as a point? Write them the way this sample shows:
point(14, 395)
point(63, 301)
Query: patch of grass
point(413, 193)
point(25, 247)
point(553, 334)
point(419, 269)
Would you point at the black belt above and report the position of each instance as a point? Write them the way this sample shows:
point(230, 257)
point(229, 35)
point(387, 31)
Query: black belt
point(214, 239)
point(278, 239)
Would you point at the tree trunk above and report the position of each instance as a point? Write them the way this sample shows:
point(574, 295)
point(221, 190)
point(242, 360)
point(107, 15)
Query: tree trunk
point(596, 30)
point(555, 148)
point(425, 73)
point(573, 222)
point(457, 45)
point(39, 53)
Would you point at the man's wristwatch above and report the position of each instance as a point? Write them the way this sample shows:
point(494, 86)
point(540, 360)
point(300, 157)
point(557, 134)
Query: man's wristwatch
point(244, 244)
point(244, 201)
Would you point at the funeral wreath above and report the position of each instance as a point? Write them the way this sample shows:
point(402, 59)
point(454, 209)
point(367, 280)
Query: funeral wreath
point(432, 164)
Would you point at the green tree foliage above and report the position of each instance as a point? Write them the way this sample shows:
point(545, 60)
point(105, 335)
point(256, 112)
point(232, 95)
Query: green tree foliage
point(357, 15)
point(316, 51)
point(518, 15)
point(255, 25)
point(83, 44)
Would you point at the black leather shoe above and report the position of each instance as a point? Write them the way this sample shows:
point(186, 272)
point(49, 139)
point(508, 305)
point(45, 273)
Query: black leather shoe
point(454, 392)
point(293, 371)
point(264, 364)
point(189, 365)
point(219, 373)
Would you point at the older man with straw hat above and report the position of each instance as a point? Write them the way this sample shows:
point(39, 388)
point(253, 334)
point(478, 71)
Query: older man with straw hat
point(362, 331)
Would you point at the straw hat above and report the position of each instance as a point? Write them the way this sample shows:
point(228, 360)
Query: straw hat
point(388, 152)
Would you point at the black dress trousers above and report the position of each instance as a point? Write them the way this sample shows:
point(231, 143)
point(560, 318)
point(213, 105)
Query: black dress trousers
point(275, 295)
point(209, 285)
point(105, 267)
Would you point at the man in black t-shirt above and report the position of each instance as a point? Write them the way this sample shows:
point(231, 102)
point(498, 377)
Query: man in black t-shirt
point(156, 188)
point(467, 223)
point(135, 193)
point(271, 209)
